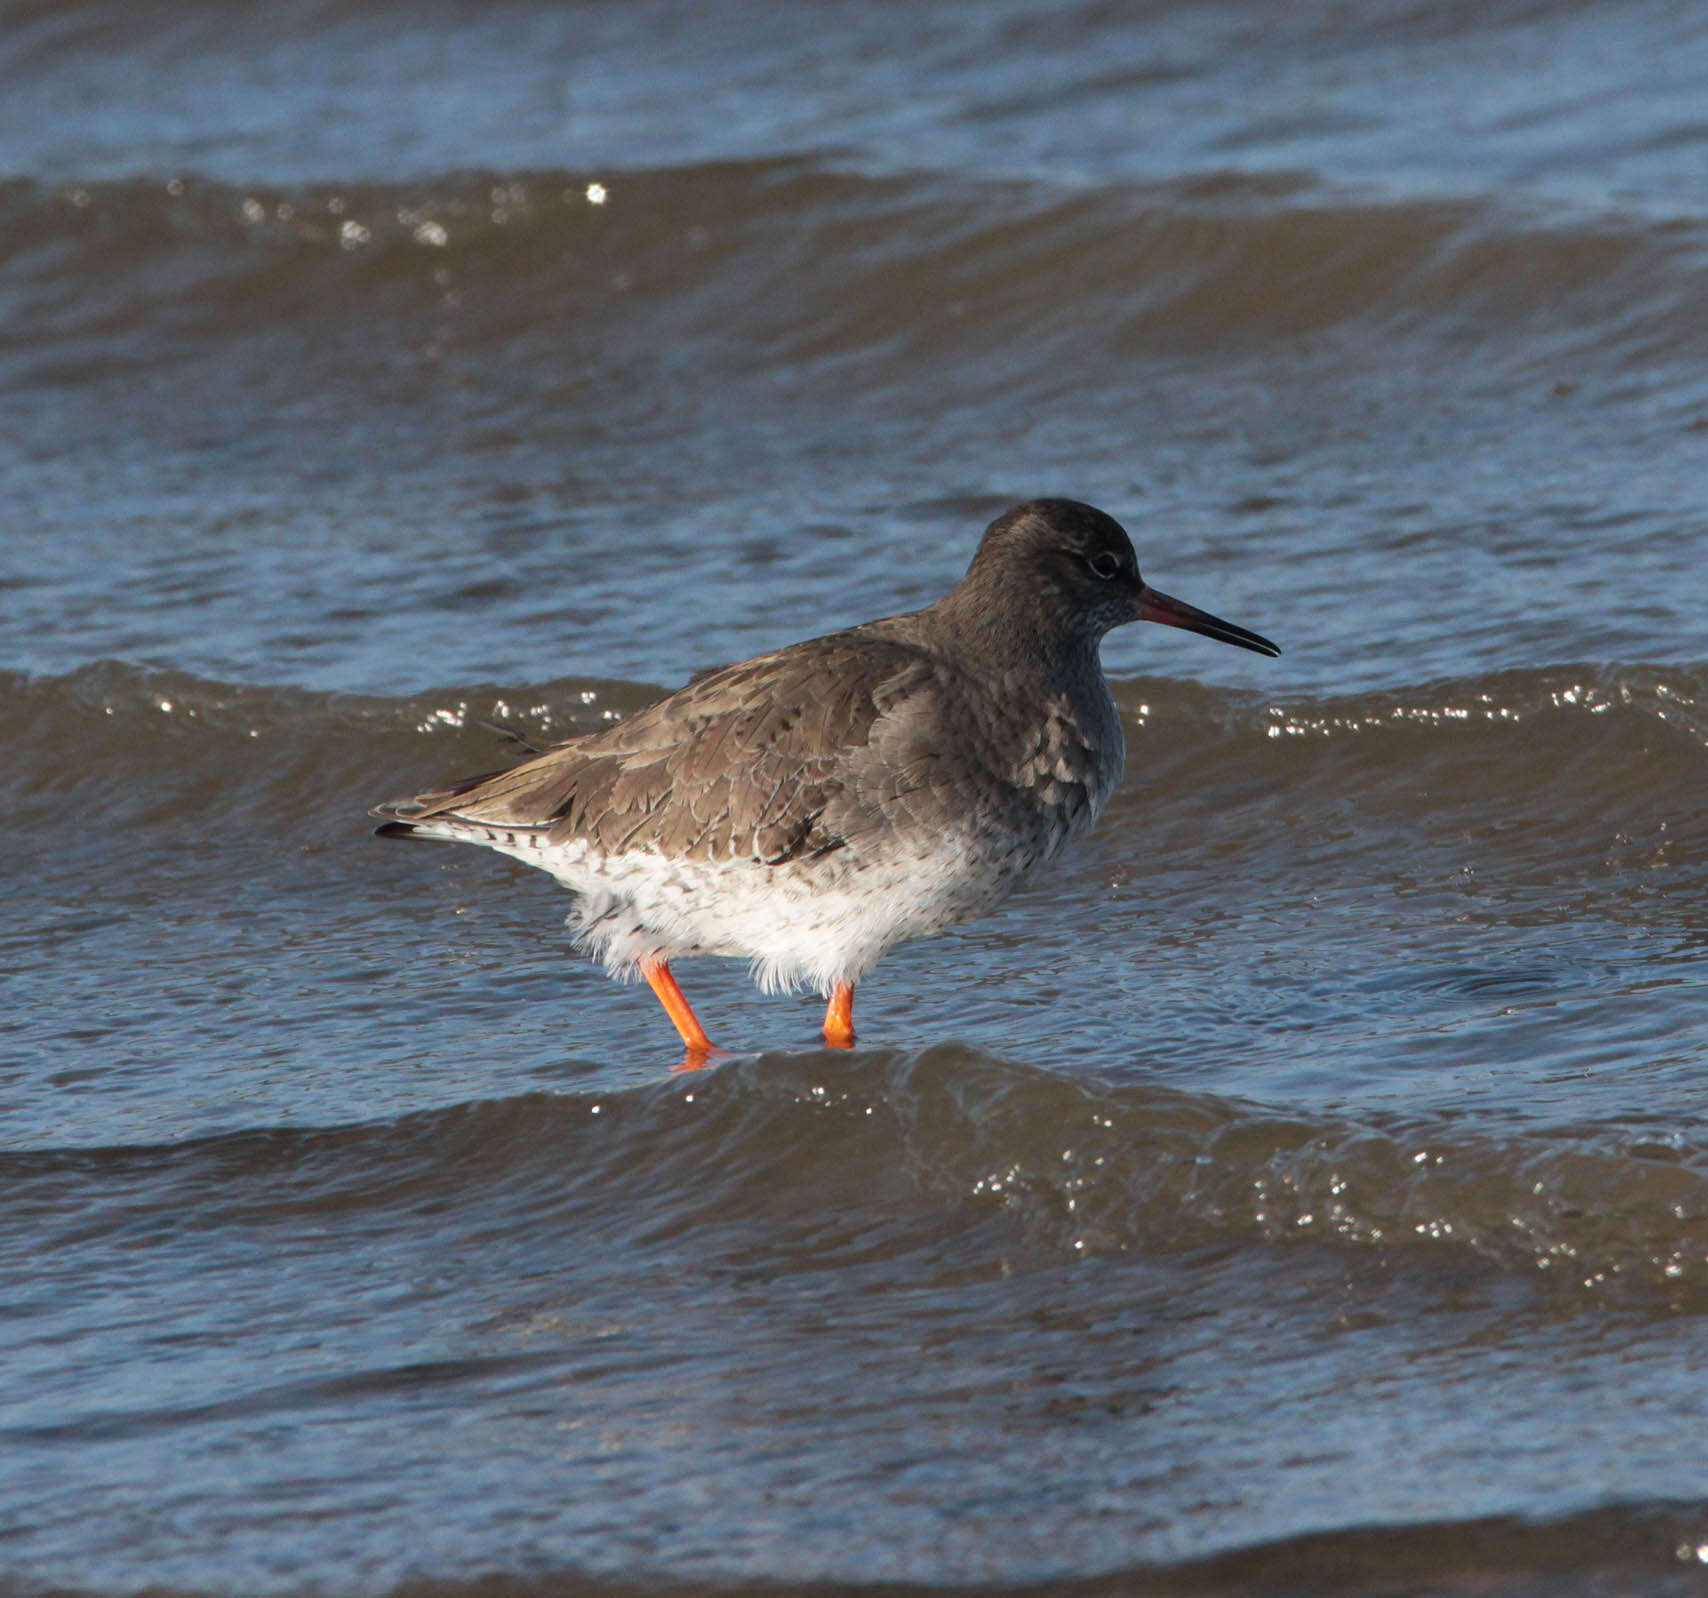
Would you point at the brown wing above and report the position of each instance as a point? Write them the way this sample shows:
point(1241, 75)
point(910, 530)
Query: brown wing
point(772, 759)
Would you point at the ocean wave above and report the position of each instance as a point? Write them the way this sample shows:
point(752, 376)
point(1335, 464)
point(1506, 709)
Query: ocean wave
point(813, 1161)
point(1656, 1548)
point(902, 270)
point(1541, 743)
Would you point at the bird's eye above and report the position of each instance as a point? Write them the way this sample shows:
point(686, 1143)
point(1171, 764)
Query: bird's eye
point(1105, 565)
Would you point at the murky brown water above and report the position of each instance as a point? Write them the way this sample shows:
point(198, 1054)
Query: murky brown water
point(1302, 1189)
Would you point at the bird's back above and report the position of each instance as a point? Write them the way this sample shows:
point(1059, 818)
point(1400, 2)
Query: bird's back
point(797, 756)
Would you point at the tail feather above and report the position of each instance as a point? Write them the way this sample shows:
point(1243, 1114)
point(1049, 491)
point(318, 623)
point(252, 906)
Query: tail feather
point(396, 829)
point(437, 815)
point(431, 816)
point(413, 817)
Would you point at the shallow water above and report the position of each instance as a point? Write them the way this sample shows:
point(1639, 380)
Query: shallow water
point(1303, 1187)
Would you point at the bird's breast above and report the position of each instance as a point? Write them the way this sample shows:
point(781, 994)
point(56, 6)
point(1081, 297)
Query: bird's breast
point(1073, 761)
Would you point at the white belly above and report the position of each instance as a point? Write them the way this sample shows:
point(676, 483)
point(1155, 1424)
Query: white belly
point(798, 925)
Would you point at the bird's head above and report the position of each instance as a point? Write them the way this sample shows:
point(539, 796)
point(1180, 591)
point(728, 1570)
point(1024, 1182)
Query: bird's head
point(1077, 562)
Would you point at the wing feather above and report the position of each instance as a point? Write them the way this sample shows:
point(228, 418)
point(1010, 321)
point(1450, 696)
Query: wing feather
point(781, 758)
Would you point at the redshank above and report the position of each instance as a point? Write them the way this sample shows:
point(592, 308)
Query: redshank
point(812, 808)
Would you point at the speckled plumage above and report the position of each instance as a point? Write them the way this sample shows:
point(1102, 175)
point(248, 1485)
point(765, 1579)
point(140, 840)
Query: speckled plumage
point(811, 808)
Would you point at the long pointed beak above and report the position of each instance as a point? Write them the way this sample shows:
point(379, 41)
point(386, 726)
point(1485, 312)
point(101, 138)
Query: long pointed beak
point(1177, 613)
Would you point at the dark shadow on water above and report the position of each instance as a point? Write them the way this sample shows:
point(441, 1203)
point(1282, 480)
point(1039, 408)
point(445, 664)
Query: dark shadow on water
point(1648, 1548)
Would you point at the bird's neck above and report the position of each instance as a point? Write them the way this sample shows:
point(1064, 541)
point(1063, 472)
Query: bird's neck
point(1033, 646)
point(1050, 725)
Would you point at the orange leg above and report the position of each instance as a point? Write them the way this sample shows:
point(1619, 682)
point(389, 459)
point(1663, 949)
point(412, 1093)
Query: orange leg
point(676, 1005)
point(839, 1017)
